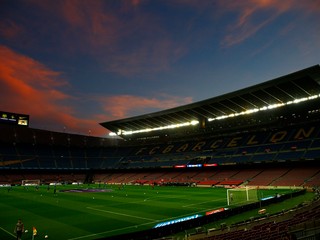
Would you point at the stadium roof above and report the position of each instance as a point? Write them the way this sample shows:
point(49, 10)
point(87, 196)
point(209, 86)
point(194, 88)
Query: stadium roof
point(298, 85)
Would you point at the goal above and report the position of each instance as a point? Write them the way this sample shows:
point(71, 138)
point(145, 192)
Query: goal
point(241, 195)
point(29, 182)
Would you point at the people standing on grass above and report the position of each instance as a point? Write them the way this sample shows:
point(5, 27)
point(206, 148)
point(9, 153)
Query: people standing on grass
point(19, 229)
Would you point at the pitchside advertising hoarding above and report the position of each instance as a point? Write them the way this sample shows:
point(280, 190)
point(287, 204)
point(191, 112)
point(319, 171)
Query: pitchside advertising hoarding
point(174, 221)
point(162, 224)
point(196, 165)
point(14, 119)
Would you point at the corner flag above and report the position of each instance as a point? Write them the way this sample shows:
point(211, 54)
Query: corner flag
point(34, 232)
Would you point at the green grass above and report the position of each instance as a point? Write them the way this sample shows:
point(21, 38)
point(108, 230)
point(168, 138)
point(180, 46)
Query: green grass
point(84, 216)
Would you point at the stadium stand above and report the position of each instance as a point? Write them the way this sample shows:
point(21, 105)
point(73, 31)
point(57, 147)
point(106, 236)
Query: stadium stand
point(286, 226)
point(275, 147)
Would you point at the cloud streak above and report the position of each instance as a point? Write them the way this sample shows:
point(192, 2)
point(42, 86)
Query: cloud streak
point(123, 106)
point(254, 15)
point(128, 46)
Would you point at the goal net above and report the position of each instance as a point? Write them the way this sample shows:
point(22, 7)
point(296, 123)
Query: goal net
point(29, 182)
point(241, 195)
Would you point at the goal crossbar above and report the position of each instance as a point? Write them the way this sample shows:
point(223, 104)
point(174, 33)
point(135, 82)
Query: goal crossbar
point(30, 182)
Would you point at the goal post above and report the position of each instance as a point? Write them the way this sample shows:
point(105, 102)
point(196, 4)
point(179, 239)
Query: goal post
point(31, 182)
point(241, 195)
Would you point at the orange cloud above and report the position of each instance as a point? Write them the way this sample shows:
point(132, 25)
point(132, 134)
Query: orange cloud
point(29, 87)
point(122, 105)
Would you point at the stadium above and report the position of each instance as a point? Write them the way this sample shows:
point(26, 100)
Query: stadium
point(243, 165)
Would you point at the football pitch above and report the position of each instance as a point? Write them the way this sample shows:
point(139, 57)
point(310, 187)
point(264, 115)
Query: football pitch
point(84, 212)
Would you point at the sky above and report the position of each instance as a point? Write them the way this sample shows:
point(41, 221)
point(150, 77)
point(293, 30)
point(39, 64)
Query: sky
point(72, 64)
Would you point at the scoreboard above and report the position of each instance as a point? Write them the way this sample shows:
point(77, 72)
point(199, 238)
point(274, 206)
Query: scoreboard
point(14, 119)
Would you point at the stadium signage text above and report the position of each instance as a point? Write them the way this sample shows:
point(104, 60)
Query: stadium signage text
point(229, 142)
point(196, 165)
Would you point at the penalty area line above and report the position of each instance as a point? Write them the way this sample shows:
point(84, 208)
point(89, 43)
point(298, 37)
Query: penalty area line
point(133, 227)
point(7, 232)
point(121, 214)
point(199, 203)
point(114, 230)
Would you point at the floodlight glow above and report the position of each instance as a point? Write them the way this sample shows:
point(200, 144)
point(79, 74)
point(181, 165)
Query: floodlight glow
point(313, 97)
point(195, 122)
point(264, 108)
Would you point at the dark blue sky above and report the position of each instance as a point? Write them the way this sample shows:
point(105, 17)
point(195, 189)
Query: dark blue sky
point(71, 64)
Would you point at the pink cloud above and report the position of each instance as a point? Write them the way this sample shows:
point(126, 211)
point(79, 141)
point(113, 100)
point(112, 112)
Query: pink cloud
point(123, 105)
point(247, 25)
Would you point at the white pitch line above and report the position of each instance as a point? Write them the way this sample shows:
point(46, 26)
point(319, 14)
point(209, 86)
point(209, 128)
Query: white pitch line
point(121, 214)
point(203, 202)
point(135, 226)
point(7, 232)
point(114, 230)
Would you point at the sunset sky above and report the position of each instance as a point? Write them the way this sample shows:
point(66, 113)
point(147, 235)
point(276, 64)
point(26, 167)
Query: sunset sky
point(71, 64)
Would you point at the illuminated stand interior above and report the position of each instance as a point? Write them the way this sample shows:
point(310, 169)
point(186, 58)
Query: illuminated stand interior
point(196, 122)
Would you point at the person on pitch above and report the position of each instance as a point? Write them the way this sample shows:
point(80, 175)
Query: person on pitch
point(19, 229)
